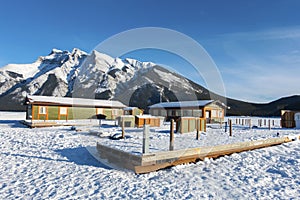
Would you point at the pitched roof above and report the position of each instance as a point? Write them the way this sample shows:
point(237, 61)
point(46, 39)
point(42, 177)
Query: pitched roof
point(182, 104)
point(68, 101)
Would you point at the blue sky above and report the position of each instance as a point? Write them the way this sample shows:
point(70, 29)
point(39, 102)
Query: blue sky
point(255, 44)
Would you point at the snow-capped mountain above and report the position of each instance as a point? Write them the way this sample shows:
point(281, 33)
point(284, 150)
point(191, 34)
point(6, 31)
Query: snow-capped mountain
point(95, 75)
point(48, 75)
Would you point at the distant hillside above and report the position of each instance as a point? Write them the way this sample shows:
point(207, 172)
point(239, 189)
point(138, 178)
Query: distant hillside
point(268, 109)
point(97, 75)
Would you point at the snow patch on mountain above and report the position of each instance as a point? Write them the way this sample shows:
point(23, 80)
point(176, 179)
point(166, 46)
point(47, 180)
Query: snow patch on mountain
point(100, 74)
point(48, 75)
point(64, 73)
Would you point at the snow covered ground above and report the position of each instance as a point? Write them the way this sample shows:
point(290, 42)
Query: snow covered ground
point(56, 163)
point(12, 115)
point(160, 137)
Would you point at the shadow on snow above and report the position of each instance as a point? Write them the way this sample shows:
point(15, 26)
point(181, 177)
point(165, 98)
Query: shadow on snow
point(12, 123)
point(80, 156)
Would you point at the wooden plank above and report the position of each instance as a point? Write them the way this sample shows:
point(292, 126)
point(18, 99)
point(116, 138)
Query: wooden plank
point(153, 162)
point(118, 157)
point(150, 168)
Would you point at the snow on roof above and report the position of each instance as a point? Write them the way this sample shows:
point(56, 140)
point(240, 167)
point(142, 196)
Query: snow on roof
point(74, 101)
point(182, 104)
point(130, 108)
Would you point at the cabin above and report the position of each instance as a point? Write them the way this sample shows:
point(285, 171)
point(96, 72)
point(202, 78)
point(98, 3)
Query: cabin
point(190, 124)
point(48, 108)
point(153, 121)
point(126, 121)
point(212, 111)
point(133, 111)
point(290, 119)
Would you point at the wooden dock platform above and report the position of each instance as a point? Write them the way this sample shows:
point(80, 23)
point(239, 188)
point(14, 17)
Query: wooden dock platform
point(146, 163)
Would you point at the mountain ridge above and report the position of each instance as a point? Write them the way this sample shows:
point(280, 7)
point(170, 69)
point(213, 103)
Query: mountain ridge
point(97, 75)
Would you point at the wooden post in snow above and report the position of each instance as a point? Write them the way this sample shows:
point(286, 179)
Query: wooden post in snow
point(269, 124)
point(146, 139)
point(230, 127)
point(280, 123)
point(123, 128)
point(171, 147)
point(198, 121)
point(259, 122)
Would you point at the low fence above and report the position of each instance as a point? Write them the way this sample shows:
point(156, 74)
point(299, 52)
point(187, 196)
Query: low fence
point(256, 122)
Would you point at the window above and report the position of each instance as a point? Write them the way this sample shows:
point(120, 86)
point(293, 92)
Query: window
point(220, 113)
point(163, 112)
point(155, 112)
point(214, 113)
point(172, 113)
point(197, 113)
point(187, 113)
point(63, 110)
point(42, 110)
point(178, 113)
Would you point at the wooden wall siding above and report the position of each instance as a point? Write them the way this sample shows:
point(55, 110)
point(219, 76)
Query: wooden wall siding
point(53, 113)
point(182, 112)
point(212, 106)
point(86, 113)
point(214, 119)
point(32, 112)
point(153, 122)
point(129, 120)
point(176, 113)
point(116, 113)
point(190, 124)
point(81, 113)
point(287, 119)
point(137, 111)
point(107, 113)
point(35, 112)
